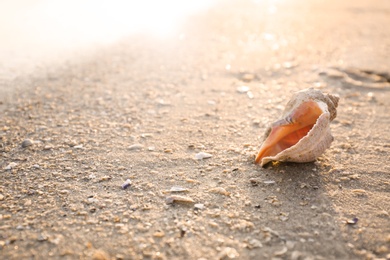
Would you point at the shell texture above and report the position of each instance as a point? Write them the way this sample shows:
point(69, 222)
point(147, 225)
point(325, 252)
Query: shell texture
point(317, 139)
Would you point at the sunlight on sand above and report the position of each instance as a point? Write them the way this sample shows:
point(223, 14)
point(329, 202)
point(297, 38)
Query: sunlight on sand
point(31, 27)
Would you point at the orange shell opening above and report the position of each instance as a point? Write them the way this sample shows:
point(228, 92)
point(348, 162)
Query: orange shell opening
point(303, 118)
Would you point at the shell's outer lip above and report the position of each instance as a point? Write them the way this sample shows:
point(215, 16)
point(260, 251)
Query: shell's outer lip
point(292, 131)
point(304, 148)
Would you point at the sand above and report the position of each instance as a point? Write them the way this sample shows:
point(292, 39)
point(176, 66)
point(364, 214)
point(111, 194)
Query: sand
point(108, 166)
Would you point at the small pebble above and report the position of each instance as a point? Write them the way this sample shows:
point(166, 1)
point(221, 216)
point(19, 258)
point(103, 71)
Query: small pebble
point(254, 181)
point(243, 89)
point(220, 190)
point(254, 243)
point(71, 143)
point(91, 176)
point(228, 253)
point(159, 234)
point(64, 192)
point(10, 166)
point(126, 184)
point(199, 206)
point(352, 221)
point(92, 200)
point(48, 147)
point(202, 155)
point(27, 143)
point(105, 178)
point(42, 238)
point(19, 227)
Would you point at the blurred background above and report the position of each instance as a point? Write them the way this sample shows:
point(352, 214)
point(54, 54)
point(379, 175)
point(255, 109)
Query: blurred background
point(41, 29)
point(31, 29)
point(245, 35)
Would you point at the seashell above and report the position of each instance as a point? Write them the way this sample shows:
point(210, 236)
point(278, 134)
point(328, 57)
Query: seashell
point(303, 132)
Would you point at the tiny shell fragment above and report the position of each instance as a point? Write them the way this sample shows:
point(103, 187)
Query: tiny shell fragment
point(202, 155)
point(126, 184)
point(199, 206)
point(136, 147)
point(178, 199)
point(159, 234)
point(178, 189)
point(359, 192)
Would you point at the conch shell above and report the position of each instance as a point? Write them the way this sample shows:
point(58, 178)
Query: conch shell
point(303, 132)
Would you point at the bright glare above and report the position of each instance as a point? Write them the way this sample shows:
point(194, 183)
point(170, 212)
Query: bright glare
point(107, 20)
point(82, 22)
point(36, 31)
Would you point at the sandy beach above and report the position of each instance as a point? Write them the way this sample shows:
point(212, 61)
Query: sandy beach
point(98, 141)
